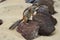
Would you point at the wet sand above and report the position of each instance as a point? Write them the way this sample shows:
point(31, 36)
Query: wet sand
point(12, 10)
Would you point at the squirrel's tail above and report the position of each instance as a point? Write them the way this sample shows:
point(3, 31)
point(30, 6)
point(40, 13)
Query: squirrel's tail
point(15, 24)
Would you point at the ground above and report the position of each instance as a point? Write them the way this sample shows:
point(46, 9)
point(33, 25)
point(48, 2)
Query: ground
point(12, 10)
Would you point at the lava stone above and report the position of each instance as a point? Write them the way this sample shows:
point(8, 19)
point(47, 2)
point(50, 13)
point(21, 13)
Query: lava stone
point(44, 11)
point(46, 24)
point(45, 20)
point(28, 30)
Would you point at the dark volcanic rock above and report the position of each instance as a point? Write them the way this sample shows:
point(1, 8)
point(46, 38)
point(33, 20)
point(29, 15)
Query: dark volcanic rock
point(49, 3)
point(28, 30)
point(43, 9)
point(45, 20)
point(1, 21)
point(46, 24)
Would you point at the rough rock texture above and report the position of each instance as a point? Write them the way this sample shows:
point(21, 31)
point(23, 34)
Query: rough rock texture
point(45, 20)
point(1, 21)
point(49, 3)
point(46, 23)
point(28, 30)
point(43, 9)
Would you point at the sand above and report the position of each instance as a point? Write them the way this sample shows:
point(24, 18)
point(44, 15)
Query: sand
point(12, 10)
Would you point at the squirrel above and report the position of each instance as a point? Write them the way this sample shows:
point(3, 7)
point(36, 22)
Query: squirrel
point(28, 12)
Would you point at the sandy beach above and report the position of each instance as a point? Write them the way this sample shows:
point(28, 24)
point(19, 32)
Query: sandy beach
point(12, 10)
